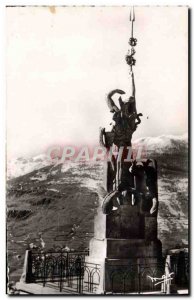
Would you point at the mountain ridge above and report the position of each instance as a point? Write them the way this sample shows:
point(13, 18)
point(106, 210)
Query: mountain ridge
point(21, 166)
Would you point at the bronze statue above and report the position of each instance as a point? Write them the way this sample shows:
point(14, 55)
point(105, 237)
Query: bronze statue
point(126, 118)
point(127, 181)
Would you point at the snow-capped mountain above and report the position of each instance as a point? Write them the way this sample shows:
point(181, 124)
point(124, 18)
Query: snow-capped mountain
point(21, 165)
point(163, 143)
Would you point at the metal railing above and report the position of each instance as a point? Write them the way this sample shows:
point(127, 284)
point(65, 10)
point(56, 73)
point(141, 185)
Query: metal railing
point(136, 278)
point(151, 277)
point(65, 270)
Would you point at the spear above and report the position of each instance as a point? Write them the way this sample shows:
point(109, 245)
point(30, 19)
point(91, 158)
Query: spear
point(132, 41)
point(132, 19)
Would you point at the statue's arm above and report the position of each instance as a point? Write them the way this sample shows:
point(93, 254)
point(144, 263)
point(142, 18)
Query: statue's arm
point(132, 84)
point(133, 90)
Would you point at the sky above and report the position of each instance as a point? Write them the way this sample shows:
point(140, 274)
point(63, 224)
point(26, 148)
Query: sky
point(63, 61)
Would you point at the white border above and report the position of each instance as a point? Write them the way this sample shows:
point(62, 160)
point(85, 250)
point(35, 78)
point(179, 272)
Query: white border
point(98, 2)
point(4, 3)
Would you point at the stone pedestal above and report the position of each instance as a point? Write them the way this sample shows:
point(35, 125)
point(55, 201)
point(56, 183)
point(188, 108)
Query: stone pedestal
point(123, 242)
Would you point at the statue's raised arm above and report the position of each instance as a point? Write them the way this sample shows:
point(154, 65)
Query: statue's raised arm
point(132, 89)
point(133, 84)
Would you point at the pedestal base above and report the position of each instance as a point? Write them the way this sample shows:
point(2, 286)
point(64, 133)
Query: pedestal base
point(126, 250)
point(125, 264)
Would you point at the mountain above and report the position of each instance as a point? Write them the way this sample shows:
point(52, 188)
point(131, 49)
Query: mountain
point(54, 205)
point(164, 143)
point(21, 166)
point(154, 145)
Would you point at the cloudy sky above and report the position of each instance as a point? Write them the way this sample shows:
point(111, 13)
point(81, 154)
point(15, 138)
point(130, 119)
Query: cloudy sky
point(62, 61)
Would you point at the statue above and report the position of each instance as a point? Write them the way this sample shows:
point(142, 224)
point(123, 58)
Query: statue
point(125, 226)
point(127, 181)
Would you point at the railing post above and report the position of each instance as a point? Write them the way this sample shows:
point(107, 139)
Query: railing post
point(139, 279)
point(164, 285)
point(61, 273)
point(80, 275)
point(167, 272)
point(28, 266)
point(67, 265)
point(124, 283)
point(90, 279)
point(45, 272)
